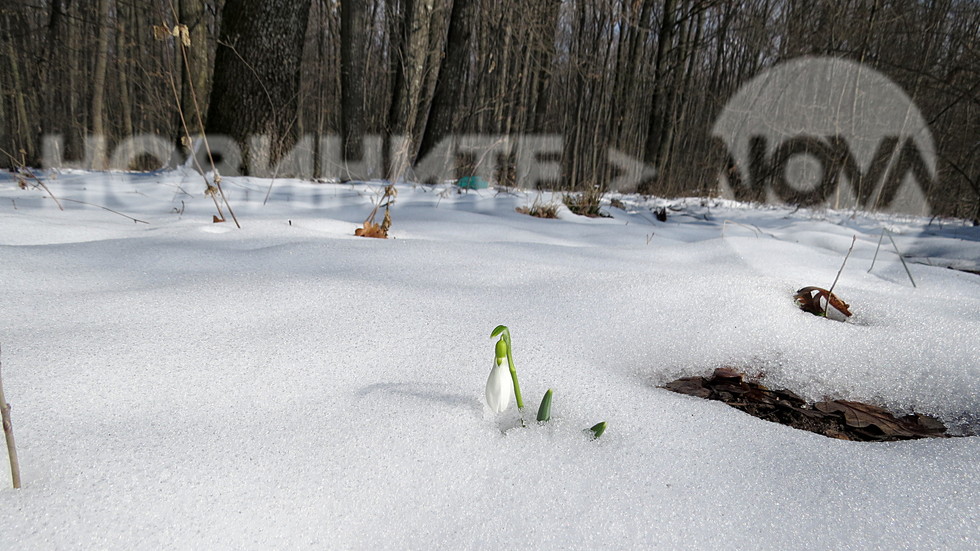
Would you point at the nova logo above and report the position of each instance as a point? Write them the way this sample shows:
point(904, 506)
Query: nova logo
point(827, 131)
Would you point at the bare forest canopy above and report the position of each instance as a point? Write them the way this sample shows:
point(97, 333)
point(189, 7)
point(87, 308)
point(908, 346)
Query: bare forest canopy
point(646, 77)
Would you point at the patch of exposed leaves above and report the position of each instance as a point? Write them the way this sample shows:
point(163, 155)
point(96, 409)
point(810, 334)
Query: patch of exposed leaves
point(840, 419)
point(817, 301)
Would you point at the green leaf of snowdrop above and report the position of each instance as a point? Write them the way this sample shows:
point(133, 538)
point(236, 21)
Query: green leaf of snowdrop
point(598, 429)
point(544, 411)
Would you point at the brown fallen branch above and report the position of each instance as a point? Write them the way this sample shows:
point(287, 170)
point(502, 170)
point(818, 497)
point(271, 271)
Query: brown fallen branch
point(8, 432)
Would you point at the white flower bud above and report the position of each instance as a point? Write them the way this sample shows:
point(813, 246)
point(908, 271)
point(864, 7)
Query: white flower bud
point(500, 386)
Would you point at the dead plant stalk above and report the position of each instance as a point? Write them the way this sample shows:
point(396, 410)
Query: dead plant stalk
point(830, 293)
point(183, 41)
point(22, 165)
point(8, 433)
point(898, 252)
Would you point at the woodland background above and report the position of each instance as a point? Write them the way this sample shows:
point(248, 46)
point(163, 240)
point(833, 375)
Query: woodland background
point(647, 77)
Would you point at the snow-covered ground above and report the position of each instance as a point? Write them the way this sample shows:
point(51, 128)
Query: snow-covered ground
point(184, 384)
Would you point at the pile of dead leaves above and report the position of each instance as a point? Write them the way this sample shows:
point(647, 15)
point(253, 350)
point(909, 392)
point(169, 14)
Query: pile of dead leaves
point(841, 419)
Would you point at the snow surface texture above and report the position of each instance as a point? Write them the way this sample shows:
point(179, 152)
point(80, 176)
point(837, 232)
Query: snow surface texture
point(183, 384)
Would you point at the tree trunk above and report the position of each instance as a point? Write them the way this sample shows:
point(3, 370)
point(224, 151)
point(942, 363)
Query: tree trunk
point(665, 39)
point(544, 53)
point(444, 116)
point(20, 134)
point(256, 77)
point(55, 99)
point(123, 62)
point(413, 56)
point(355, 35)
point(195, 67)
point(99, 160)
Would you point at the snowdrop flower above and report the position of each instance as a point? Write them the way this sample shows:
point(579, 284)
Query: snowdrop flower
point(500, 386)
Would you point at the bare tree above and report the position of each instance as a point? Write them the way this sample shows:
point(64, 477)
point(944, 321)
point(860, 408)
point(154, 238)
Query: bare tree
point(195, 67)
point(99, 161)
point(417, 59)
point(356, 29)
point(647, 77)
point(256, 76)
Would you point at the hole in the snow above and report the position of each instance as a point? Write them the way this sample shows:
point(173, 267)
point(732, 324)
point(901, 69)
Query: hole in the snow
point(841, 419)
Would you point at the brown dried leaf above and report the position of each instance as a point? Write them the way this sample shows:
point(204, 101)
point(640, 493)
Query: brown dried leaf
point(856, 414)
point(692, 386)
point(181, 32)
point(815, 299)
point(161, 32)
point(371, 229)
point(862, 416)
point(789, 397)
point(727, 373)
point(925, 423)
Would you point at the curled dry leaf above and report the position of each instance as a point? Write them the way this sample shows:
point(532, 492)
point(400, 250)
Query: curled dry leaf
point(817, 301)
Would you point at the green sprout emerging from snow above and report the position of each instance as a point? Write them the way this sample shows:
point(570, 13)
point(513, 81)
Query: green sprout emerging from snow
point(598, 429)
point(498, 391)
point(544, 411)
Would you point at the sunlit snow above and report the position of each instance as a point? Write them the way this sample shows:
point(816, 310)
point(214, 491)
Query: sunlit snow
point(185, 384)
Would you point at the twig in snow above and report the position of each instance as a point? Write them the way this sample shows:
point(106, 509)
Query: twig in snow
point(726, 222)
point(8, 432)
point(902, 258)
point(875, 257)
point(831, 290)
point(213, 190)
point(22, 167)
point(136, 220)
point(898, 252)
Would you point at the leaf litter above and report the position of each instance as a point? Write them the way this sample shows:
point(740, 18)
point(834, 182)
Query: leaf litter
point(841, 419)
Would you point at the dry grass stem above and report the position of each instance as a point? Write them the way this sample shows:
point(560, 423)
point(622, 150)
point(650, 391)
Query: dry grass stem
point(8, 433)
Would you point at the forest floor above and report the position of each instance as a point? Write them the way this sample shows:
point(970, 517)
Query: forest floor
point(179, 383)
